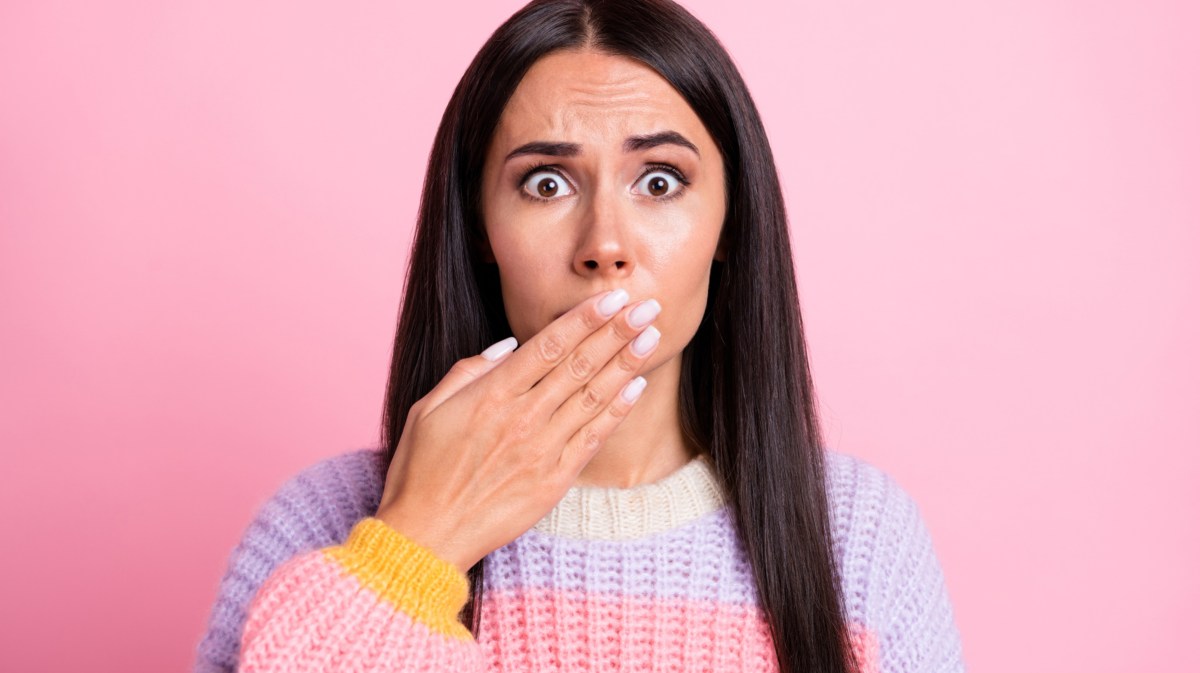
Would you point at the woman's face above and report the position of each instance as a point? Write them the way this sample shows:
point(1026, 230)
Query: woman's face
point(600, 176)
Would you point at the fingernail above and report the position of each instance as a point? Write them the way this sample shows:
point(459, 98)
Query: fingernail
point(644, 313)
point(645, 341)
point(612, 302)
point(500, 348)
point(633, 390)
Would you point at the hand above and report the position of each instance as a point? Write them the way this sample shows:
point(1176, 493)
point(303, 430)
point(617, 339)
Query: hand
point(499, 440)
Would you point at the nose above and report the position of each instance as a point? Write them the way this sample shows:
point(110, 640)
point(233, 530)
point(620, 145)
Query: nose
point(604, 246)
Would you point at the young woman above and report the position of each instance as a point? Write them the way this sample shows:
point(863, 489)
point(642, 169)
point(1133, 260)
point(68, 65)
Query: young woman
point(601, 444)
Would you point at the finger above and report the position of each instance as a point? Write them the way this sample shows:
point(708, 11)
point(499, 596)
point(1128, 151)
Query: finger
point(584, 444)
point(467, 370)
point(547, 348)
point(596, 351)
point(592, 398)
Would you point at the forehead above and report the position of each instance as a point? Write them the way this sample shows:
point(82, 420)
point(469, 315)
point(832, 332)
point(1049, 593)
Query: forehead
point(585, 96)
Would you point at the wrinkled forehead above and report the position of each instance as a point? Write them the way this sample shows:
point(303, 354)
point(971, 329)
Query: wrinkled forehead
point(594, 99)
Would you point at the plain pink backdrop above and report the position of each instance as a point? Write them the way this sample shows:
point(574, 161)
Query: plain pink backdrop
point(206, 209)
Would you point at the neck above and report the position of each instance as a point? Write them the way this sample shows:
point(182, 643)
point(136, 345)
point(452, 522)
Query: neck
point(649, 444)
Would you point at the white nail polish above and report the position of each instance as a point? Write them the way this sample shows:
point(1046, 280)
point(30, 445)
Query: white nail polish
point(612, 302)
point(633, 390)
point(645, 341)
point(498, 349)
point(644, 313)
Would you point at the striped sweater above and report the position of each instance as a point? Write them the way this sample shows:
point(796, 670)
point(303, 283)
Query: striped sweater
point(651, 577)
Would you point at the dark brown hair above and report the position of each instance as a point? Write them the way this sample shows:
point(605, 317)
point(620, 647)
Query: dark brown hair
point(746, 393)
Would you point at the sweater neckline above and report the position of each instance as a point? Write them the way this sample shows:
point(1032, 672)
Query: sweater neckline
point(611, 513)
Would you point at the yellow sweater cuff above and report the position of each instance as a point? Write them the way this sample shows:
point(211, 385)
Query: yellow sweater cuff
point(412, 578)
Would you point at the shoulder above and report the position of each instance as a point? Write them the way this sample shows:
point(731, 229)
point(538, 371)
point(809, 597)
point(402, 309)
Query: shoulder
point(892, 581)
point(313, 509)
point(862, 496)
point(322, 502)
point(876, 524)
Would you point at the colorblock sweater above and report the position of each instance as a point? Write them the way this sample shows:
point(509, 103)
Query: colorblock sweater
point(651, 577)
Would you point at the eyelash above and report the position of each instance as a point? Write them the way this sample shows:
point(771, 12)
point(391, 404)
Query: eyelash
point(684, 183)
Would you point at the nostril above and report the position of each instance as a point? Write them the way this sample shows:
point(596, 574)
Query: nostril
point(593, 264)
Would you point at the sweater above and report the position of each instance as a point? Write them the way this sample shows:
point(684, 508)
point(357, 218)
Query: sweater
point(651, 577)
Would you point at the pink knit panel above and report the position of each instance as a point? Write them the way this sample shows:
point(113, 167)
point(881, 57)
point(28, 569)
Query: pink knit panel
point(310, 615)
point(545, 630)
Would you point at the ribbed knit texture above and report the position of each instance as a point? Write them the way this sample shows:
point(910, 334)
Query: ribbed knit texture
point(647, 578)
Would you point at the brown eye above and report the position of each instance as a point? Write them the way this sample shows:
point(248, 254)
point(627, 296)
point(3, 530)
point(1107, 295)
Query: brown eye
point(658, 183)
point(547, 185)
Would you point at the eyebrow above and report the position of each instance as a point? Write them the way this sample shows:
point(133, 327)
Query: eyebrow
point(632, 144)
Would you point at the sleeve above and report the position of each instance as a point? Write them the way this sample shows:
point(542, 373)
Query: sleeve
point(378, 602)
point(917, 633)
point(314, 509)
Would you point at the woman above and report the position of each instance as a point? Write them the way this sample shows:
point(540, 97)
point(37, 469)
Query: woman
point(641, 483)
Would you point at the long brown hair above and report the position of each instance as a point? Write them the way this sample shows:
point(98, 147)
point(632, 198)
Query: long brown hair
point(746, 392)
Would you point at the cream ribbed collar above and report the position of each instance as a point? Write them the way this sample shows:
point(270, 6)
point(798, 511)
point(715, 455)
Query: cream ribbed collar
point(600, 513)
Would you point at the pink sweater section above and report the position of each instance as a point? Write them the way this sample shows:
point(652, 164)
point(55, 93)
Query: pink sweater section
point(312, 615)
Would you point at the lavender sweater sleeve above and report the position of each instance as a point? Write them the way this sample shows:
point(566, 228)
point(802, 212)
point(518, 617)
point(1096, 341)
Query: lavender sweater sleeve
point(315, 509)
point(892, 579)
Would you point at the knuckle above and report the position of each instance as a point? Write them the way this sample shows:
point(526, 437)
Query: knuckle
point(617, 331)
point(590, 400)
point(618, 411)
point(591, 440)
point(589, 320)
point(627, 364)
point(461, 367)
point(550, 348)
point(580, 366)
point(416, 410)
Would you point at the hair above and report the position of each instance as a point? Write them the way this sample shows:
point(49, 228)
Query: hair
point(746, 394)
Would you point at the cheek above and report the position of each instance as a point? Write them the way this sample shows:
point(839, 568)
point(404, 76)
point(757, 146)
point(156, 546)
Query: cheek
point(683, 284)
point(690, 303)
point(526, 284)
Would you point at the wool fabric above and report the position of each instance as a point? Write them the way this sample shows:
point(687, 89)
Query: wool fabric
point(652, 577)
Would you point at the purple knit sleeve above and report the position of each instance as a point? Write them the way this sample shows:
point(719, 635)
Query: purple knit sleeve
point(315, 509)
point(892, 579)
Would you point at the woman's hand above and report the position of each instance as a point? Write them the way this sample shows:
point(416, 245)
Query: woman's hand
point(499, 440)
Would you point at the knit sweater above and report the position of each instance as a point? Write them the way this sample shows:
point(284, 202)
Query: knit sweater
point(651, 577)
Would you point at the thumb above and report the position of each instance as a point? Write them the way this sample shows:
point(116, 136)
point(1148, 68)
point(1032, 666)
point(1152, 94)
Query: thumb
point(467, 370)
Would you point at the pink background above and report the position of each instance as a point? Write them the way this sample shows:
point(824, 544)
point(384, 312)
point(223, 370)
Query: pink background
point(206, 208)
